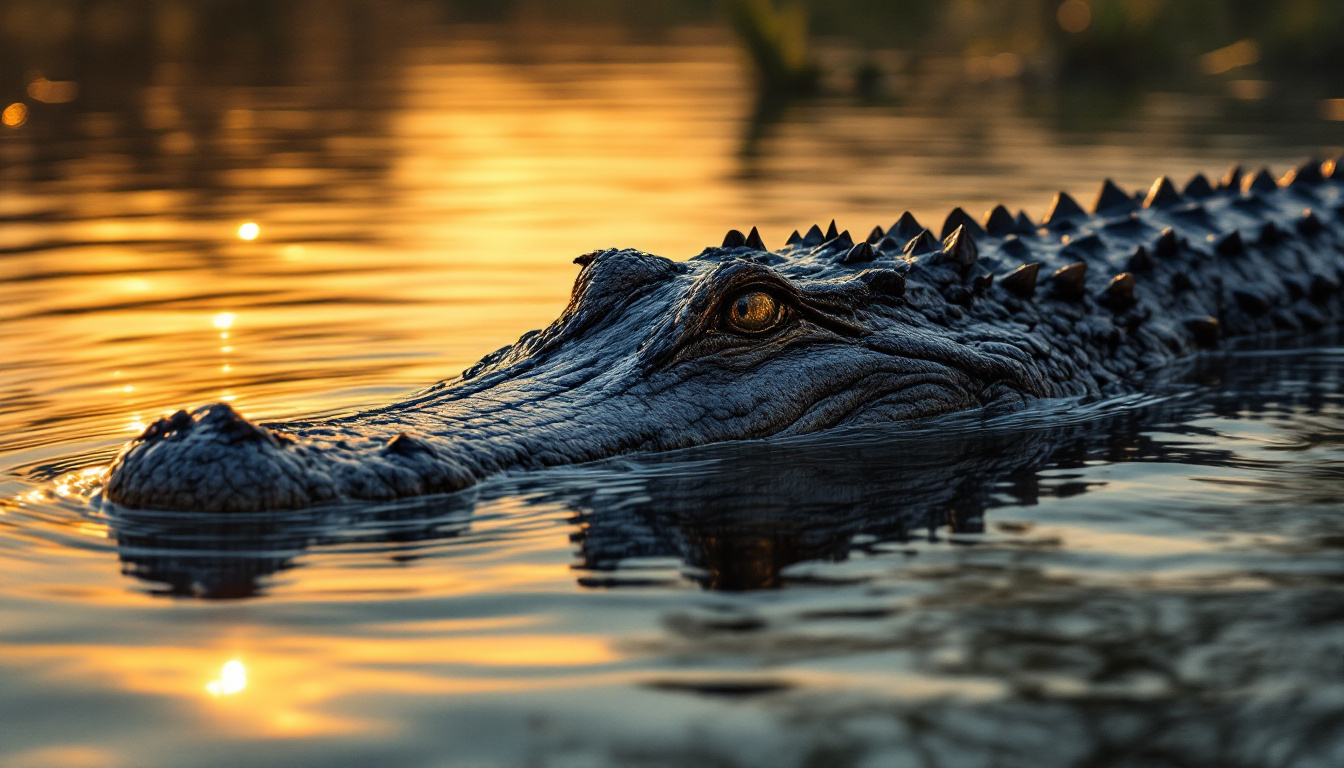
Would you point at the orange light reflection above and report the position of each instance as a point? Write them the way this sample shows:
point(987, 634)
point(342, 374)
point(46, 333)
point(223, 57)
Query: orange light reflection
point(288, 683)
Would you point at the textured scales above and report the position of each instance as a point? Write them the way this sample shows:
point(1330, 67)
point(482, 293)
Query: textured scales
point(902, 326)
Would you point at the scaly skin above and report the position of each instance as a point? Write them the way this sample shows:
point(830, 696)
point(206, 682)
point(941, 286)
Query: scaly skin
point(647, 356)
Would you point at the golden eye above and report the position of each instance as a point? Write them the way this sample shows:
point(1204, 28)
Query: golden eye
point(754, 312)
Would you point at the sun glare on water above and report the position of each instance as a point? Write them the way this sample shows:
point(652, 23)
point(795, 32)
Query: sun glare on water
point(232, 679)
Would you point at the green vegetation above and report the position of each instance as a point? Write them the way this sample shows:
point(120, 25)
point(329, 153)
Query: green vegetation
point(776, 40)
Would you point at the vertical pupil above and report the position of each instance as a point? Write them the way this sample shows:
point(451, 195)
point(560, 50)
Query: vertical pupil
point(753, 311)
point(744, 306)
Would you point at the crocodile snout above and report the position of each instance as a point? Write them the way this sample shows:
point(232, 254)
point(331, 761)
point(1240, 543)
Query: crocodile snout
point(212, 459)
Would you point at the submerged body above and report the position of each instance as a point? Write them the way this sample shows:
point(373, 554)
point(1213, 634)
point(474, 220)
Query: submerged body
point(743, 342)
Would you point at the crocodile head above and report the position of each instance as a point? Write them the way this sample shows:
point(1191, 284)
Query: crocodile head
point(649, 355)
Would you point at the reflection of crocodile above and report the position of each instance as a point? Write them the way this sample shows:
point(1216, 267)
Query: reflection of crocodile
point(737, 514)
point(738, 523)
point(741, 342)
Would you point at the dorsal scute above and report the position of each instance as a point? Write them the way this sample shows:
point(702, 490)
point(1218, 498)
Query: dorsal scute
point(905, 228)
point(999, 222)
point(1162, 194)
point(1062, 209)
point(1112, 199)
point(1198, 187)
point(960, 218)
point(1025, 225)
point(1261, 182)
point(1307, 174)
point(1333, 169)
point(924, 242)
point(754, 241)
point(959, 247)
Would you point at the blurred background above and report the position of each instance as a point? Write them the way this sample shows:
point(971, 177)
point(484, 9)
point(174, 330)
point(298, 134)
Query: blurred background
point(308, 206)
point(298, 204)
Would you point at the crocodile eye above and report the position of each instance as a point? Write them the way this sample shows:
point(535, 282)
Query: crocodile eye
point(754, 312)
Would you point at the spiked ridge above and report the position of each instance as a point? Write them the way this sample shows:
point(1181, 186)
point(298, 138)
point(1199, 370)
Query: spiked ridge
point(1198, 187)
point(1161, 262)
point(1162, 194)
point(652, 354)
point(1112, 199)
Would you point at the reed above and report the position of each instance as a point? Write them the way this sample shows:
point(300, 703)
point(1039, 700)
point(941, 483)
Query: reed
point(775, 39)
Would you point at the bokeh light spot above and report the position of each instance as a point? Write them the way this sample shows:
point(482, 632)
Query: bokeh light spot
point(232, 679)
point(53, 91)
point(1242, 53)
point(1074, 15)
point(15, 115)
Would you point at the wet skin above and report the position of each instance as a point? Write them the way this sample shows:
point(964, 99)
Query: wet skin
point(741, 342)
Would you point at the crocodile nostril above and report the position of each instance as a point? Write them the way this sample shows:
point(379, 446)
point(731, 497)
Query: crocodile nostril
point(178, 423)
point(222, 419)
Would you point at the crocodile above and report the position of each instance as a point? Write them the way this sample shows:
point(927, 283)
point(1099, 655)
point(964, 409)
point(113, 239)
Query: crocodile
point(738, 518)
point(744, 342)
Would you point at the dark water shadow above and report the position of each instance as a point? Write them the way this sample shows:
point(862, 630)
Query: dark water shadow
point(223, 557)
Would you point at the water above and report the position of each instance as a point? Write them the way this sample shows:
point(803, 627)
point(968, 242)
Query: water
point(1149, 581)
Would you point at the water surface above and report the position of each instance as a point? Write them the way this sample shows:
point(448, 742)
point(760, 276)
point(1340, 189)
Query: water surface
point(1149, 581)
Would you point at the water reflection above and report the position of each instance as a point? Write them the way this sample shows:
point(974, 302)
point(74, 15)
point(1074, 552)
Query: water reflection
point(232, 679)
point(420, 175)
point(231, 556)
point(737, 516)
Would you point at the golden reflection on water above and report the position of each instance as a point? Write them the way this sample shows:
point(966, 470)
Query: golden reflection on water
point(413, 224)
point(404, 241)
point(292, 685)
point(232, 679)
